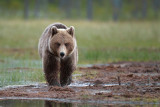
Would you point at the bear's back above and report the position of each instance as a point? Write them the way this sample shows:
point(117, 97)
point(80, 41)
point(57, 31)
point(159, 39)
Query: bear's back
point(58, 25)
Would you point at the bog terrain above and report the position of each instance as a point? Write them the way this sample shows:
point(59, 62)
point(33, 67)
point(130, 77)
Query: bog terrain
point(132, 83)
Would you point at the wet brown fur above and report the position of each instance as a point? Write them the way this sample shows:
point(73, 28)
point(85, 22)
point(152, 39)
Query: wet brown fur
point(52, 64)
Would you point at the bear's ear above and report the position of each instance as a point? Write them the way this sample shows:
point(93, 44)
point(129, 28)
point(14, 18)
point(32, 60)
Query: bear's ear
point(71, 31)
point(54, 30)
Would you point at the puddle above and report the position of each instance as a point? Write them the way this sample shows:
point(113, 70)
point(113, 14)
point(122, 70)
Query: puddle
point(85, 84)
point(68, 103)
point(35, 85)
point(94, 92)
point(111, 84)
point(79, 84)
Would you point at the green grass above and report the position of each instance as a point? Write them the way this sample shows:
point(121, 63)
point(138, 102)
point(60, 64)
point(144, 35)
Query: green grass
point(98, 42)
point(20, 72)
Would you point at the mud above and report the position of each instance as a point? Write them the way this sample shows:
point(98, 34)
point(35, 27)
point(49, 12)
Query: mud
point(123, 81)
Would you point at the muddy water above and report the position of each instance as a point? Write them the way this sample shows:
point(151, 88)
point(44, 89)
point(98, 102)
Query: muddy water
point(66, 103)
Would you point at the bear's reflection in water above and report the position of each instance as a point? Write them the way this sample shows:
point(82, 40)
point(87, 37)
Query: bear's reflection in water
point(57, 104)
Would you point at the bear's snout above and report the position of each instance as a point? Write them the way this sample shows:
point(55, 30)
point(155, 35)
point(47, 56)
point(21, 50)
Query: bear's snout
point(62, 54)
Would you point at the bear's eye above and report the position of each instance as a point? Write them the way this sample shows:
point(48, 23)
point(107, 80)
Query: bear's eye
point(66, 44)
point(57, 44)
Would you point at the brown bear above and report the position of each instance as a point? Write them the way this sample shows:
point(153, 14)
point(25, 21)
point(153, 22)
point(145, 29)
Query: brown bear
point(58, 49)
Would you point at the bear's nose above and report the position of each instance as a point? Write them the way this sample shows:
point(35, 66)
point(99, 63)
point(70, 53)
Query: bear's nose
point(62, 54)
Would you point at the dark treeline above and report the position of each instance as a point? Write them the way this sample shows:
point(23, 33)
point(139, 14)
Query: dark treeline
point(81, 9)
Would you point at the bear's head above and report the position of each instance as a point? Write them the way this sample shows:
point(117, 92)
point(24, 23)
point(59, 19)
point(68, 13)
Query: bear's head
point(62, 41)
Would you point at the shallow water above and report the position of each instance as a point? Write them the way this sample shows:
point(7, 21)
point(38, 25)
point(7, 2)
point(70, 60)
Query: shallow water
point(24, 102)
point(80, 84)
point(85, 84)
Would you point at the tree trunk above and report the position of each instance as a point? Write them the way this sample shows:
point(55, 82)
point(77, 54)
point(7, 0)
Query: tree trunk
point(117, 4)
point(156, 7)
point(26, 9)
point(78, 7)
point(68, 6)
point(37, 8)
point(144, 9)
point(89, 10)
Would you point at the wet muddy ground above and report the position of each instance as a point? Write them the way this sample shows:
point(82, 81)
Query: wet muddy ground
point(123, 81)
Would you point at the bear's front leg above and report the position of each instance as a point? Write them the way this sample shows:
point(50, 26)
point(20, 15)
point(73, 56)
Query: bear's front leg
point(51, 70)
point(67, 68)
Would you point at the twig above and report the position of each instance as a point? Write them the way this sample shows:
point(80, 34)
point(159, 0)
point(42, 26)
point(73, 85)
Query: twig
point(119, 81)
point(148, 80)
